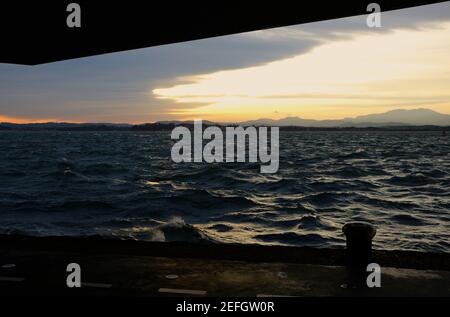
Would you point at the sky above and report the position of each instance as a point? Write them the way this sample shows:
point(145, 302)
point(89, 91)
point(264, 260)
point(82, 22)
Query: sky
point(324, 70)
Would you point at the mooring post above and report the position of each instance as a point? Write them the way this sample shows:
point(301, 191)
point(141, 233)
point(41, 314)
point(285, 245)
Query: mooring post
point(359, 237)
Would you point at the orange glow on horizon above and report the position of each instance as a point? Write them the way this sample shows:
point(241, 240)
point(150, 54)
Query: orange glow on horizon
point(18, 120)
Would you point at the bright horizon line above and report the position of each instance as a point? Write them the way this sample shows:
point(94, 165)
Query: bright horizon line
point(11, 120)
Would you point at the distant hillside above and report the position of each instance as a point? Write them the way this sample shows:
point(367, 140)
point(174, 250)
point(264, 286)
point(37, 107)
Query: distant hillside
point(413, 117)
point(417, 119)
point(64, 126)
point(390, 118)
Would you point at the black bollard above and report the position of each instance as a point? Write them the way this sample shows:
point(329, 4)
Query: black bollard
point(359, 237)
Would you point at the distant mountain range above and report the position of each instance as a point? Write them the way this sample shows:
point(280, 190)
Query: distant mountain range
point(394, 118)
point(390, 118)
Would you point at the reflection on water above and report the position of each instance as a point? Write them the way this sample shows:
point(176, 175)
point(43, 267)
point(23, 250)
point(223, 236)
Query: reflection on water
point(124, 184)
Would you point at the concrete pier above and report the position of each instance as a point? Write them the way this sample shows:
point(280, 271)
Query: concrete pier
point(131, 268)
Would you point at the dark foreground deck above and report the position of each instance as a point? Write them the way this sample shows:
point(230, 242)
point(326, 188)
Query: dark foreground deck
point(131, 268)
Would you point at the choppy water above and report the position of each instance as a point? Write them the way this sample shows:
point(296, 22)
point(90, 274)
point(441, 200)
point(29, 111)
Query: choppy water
point(124, 184)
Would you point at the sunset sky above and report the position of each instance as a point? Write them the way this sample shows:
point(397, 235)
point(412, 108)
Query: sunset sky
point(324, 70)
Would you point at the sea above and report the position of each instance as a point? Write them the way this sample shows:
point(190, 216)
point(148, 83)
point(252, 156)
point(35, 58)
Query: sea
point(124, 185)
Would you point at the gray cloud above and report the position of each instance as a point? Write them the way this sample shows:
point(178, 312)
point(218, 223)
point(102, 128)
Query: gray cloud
point(117, 87)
